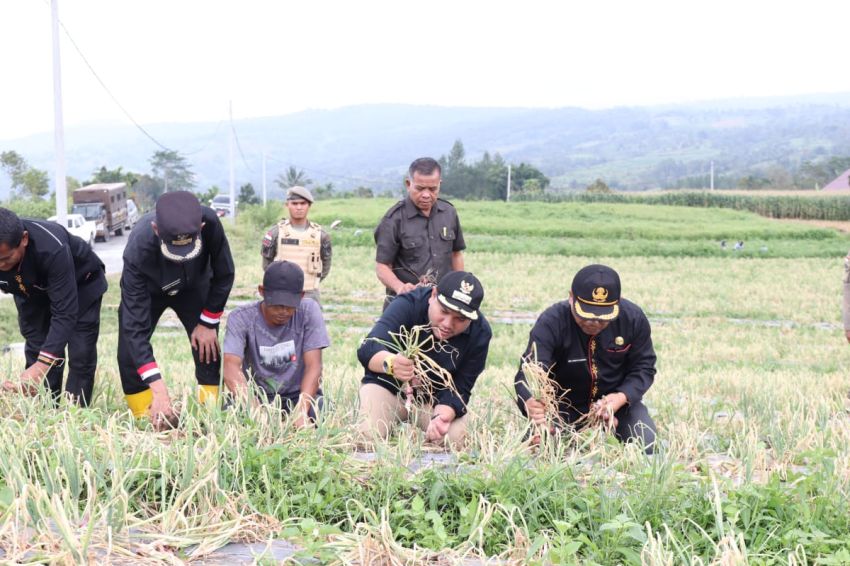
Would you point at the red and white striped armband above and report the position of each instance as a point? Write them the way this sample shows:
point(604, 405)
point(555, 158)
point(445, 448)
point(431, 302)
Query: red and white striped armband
point(149, 373)
point(210, 319)
point(49, 359)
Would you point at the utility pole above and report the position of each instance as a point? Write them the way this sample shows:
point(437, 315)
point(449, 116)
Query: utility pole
point(264, 178)
point(712, 176)
point(508, 197)
point(232, 173)
point(58, 122)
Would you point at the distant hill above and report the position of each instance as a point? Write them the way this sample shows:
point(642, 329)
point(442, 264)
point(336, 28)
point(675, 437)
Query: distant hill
point(371, 145)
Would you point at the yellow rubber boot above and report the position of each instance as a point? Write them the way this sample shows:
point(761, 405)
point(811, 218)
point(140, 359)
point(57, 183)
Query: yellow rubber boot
point(208, 393)
point(140, 402)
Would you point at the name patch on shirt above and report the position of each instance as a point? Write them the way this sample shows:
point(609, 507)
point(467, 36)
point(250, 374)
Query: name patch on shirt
point(576, 360)
point(297, 242)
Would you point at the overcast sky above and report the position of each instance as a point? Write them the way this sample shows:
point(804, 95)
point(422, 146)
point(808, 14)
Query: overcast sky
point(176, 60)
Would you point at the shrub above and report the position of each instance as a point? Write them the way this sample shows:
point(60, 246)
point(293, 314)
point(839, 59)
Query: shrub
point(31, 208)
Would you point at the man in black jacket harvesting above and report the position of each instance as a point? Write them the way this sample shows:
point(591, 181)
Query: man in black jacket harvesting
point(597, 347)
point(177, 257)
point(58, 283)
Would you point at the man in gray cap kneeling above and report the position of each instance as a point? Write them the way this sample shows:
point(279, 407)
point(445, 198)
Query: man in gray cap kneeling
point(277, 342)
point(300, 241)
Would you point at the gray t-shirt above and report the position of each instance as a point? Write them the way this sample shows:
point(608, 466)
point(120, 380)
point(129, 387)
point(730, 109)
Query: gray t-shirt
point(274, 355)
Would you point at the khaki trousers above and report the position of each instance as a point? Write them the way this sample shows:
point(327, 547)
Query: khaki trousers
point(380, 410)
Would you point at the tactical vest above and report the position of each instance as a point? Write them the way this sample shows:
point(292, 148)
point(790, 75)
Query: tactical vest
point(303, 248)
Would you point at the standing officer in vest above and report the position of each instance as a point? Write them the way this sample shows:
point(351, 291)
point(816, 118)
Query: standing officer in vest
point(300, 241)
point(58, 283)
point(176, 257)
point(419, 238)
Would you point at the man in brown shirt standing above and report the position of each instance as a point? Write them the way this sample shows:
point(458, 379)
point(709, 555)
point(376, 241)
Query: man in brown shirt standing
point(419, 239)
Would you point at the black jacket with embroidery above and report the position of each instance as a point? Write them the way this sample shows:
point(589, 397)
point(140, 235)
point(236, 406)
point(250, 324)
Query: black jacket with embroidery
point(618, 359)
point(147, 273)
point(59, 270)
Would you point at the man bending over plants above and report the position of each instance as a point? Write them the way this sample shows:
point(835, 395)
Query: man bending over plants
point(422, 359)
point(58, 283)
point(278, 342)
point(595, 349)
point(177, 257)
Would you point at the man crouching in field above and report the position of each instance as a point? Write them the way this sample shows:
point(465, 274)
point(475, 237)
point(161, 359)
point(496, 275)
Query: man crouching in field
point(447, 339)
point(278, 342)
point(597, 347)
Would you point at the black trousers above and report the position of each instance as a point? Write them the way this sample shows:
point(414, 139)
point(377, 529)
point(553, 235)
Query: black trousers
point(633, 423)
point(187, 305)
point(34, 322)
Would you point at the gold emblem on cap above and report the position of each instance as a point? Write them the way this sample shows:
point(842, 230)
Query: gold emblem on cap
point(466, 287)
point(600, 294)
point(619, 341)
point(182, 240)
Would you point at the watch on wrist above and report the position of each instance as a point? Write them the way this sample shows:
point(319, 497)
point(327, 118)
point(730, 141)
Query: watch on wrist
point(388, 364)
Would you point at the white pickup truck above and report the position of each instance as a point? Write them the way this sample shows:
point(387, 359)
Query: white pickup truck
point(80, 227)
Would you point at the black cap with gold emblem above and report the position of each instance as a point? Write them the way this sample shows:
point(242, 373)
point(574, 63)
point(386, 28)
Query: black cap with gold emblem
point(596, 293)
point(178, 223)
point(462, 292)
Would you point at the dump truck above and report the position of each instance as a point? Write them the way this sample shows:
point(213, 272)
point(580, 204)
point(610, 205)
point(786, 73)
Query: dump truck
point(105, 204)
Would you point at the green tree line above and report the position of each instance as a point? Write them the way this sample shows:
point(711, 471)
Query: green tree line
point(487, 178)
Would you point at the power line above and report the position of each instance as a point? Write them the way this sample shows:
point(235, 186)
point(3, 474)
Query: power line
point(208, 142)
point(121, 106)
point(239, 145)
point(109, 92)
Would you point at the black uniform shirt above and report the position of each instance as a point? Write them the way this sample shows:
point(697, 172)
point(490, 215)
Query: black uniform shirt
point(60, 270)
point(148, 274)
point(618, 359)
point(414, 244)
point(464, 357)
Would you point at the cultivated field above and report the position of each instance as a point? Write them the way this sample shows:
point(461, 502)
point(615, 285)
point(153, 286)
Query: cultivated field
point(750, 399)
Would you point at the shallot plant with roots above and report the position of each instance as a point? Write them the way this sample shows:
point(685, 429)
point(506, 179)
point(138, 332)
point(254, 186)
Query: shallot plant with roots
point(415, 344)
point(542, 388)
